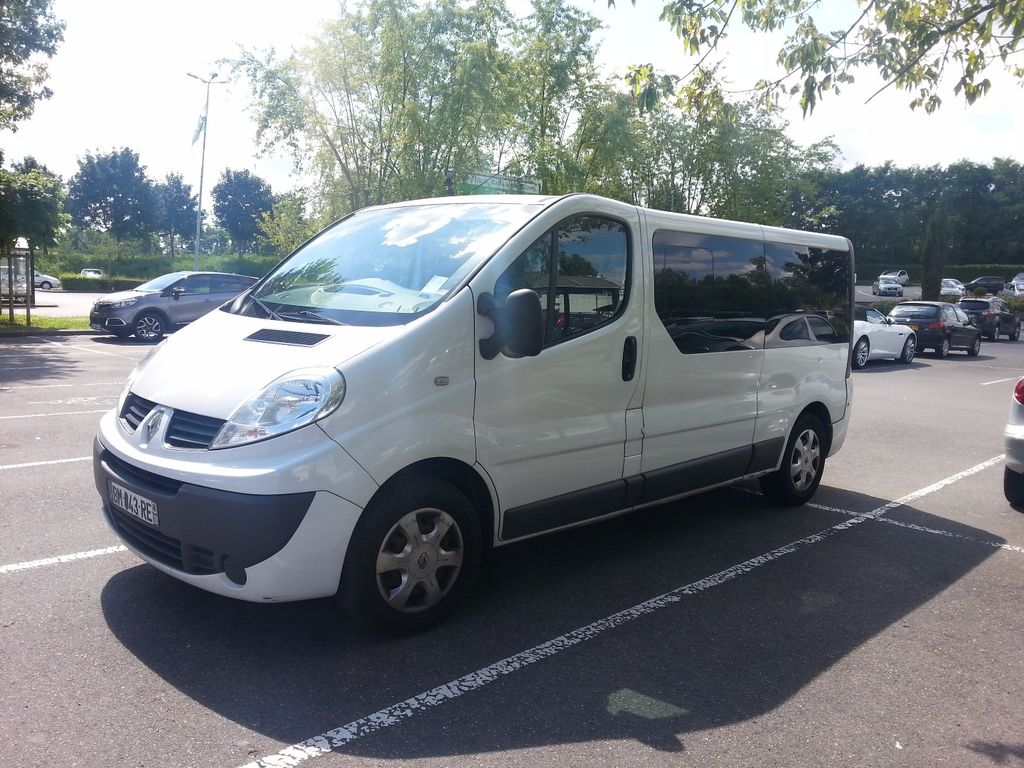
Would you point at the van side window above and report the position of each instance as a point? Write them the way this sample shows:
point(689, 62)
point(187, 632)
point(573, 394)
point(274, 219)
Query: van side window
point(823, 330)
point(709, 291)
point(812, 280)
point(590, 284)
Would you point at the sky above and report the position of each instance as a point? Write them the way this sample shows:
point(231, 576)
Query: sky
point(120, 80)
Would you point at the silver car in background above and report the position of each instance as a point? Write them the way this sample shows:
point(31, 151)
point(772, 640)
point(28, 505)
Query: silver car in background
point(165, 303)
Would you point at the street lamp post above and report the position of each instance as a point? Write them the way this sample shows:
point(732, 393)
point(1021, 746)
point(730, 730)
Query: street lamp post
point(202, 164)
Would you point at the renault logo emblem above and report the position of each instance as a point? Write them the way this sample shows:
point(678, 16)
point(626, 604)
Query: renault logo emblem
point(152, 425)
point(422, 560)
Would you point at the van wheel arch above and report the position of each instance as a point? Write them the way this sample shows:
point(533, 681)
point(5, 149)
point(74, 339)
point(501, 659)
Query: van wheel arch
point(458, 474)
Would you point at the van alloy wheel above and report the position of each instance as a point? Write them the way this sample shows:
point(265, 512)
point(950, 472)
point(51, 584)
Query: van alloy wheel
point(803, 463)
point(804, 460)
point(413, 556)
point(419, 560)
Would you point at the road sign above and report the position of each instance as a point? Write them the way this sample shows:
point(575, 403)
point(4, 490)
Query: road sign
point(493, 184)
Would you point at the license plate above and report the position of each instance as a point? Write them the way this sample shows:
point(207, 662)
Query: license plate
point(137, 506)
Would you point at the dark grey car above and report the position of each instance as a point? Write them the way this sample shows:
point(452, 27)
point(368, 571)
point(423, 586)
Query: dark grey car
point(165, 303)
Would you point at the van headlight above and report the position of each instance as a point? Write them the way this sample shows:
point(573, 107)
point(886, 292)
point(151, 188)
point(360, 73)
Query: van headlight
point(292, 401)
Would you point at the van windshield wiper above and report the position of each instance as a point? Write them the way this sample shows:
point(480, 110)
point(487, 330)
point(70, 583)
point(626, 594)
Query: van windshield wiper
point(308, 315)
point(270, 313)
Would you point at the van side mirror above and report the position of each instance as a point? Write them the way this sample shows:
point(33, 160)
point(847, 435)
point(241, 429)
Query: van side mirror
point(518, 324)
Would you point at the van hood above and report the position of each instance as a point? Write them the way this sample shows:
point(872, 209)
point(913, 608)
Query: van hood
point(213, 365)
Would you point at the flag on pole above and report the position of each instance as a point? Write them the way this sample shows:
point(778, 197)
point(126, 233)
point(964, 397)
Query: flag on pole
point(201, 127)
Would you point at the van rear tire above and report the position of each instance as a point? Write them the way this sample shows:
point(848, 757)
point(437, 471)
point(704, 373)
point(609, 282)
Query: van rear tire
point(413, 556)
point(803, 463)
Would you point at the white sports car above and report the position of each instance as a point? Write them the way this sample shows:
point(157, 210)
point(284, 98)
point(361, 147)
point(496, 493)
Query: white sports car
point(876, 336)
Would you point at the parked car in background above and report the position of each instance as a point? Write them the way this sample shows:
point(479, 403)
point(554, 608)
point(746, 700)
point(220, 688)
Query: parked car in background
point(991, 284)
point(876, 336)
point(992, 316)
point(951, 287)
point(91, 273)
point(20, 287)
point(886, 286)
point(1013, 290)
point(939, 326)
point(899, 275)
point(45, 282)
point(165, 303)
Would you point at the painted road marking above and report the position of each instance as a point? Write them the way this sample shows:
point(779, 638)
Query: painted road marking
point(43, 463)
point(62, 386)
point(41, 415)
point(998, 381)
point(60, 559)
point(397, 713)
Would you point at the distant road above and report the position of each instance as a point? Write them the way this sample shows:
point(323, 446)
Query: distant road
point(61, 304)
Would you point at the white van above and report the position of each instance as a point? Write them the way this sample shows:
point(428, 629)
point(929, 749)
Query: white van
point(425, 380)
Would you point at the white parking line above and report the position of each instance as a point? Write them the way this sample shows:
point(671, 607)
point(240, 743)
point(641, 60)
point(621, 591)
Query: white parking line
point(404, 710)
point(62, 386)
point(40, 415)
point(44, 463)
point(79, 347)
point(998, 381)
point(60, 559)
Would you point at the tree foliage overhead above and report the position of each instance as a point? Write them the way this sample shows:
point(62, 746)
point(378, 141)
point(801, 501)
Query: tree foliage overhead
point(29, 34)
point(111, 193)
point(240, 199)
point(915, 45)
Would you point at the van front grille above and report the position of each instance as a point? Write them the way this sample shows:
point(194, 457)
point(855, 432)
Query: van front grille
point(185, 430)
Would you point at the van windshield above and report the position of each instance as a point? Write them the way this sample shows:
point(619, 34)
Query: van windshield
point(388, 266)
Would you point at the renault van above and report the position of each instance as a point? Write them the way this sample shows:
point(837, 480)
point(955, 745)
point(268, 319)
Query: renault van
point(423, 381)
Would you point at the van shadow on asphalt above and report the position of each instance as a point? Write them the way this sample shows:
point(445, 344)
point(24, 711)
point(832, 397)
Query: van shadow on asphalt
point(728, 654)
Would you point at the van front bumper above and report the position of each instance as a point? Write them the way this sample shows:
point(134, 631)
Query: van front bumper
point(262, 523)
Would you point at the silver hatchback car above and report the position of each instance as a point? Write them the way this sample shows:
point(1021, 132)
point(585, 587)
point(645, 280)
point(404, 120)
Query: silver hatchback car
point(165, 303)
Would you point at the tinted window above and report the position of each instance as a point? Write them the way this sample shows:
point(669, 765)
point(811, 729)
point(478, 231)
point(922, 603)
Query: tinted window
point(796, 329)
point(974, 304)
point(812, 280)
point(823, 330)
point(590, 284)
point(915, 311)
point(961, 315)
point(710, 291)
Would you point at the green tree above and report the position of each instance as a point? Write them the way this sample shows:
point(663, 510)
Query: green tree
point(111, 193)
point(29, 34)
point(286, 226)
point(240, 199)
point(31, 206)
point(387, 99)
point(175, 210)
point(915, 45)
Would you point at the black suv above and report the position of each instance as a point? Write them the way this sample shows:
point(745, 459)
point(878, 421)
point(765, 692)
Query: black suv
point(991, 284)
point(992, 316)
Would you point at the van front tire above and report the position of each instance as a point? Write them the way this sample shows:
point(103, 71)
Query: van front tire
point(412, 558)
point(795, 482)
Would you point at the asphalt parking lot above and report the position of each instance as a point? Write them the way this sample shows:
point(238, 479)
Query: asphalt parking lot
point(879, 626)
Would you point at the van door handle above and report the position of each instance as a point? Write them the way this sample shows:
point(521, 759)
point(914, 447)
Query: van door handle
point(629, 358)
